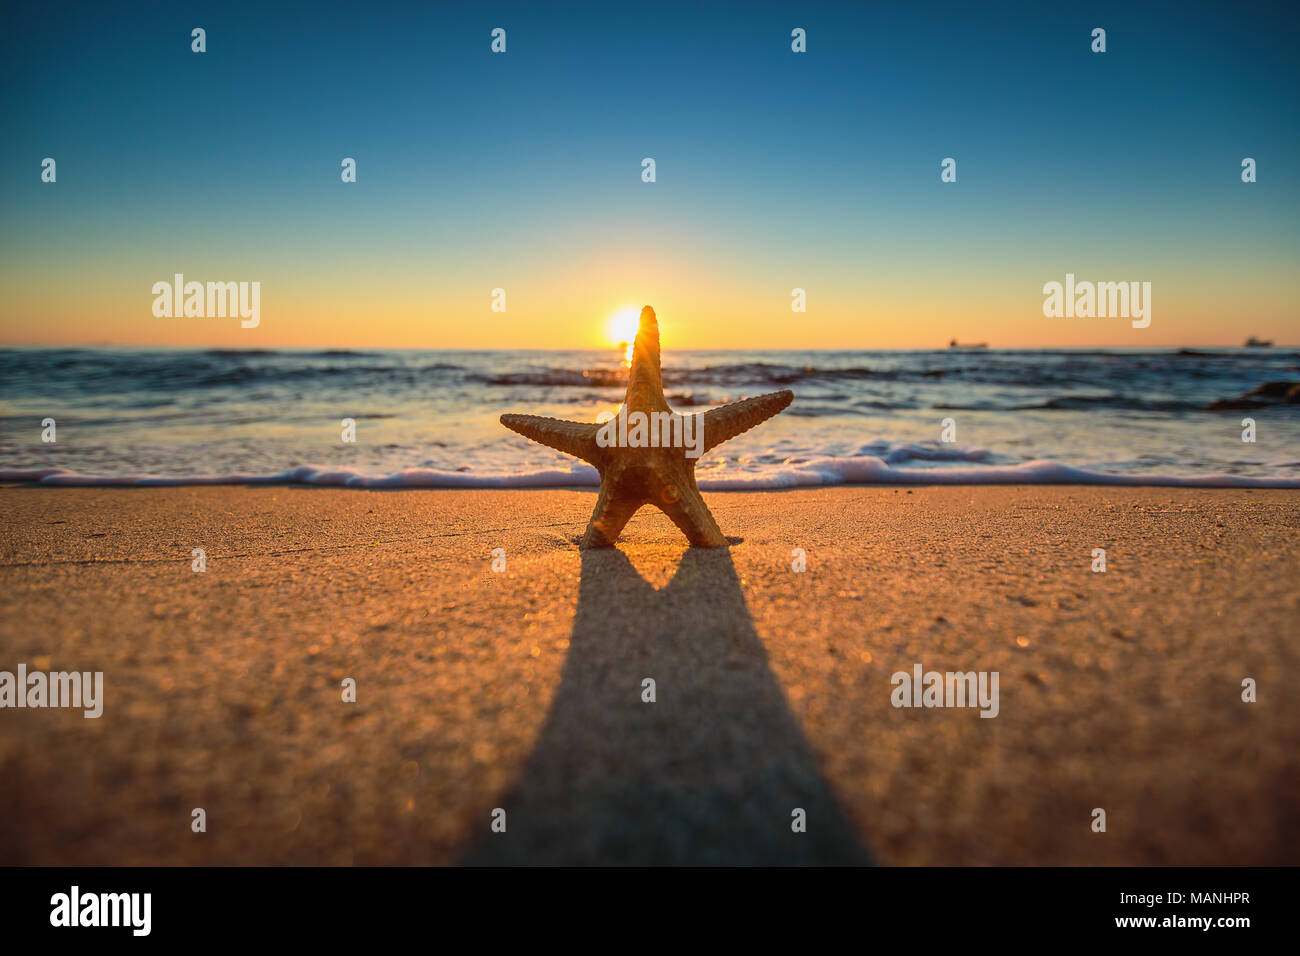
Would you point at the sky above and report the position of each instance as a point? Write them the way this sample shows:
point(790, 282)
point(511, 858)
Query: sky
point(522, 171)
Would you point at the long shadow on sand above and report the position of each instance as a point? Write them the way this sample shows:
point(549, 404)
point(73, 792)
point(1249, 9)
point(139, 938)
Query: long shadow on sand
point(708, 774)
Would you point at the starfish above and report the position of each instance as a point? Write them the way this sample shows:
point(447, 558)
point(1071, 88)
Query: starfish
point(661, 476)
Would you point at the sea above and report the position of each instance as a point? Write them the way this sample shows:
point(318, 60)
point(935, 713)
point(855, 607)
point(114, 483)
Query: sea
point(136, 416)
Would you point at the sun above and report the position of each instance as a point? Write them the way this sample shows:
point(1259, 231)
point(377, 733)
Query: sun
point(622, 329)
point(623, 325)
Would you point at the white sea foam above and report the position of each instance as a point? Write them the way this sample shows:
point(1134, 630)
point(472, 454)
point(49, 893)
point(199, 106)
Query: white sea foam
point(863, 469)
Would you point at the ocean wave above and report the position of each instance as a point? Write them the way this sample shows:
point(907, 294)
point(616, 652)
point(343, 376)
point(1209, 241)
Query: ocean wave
point(852, 382)
point(1077, 403)
point(811, 472)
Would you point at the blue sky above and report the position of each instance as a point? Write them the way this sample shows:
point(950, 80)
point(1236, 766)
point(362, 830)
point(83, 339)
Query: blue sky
point(774, 169)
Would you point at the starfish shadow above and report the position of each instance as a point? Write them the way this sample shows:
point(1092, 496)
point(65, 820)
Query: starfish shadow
point(707, 774)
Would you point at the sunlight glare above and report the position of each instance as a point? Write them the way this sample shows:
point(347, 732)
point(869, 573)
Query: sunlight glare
point(623, 325)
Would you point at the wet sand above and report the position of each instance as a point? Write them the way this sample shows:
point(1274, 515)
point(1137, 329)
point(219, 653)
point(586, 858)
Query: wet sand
point(522, 689)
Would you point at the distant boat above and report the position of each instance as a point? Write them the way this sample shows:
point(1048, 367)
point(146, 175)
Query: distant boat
point(954, 344)
point(1254, 343)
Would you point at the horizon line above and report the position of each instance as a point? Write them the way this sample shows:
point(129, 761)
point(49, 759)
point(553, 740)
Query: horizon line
point(619, 348)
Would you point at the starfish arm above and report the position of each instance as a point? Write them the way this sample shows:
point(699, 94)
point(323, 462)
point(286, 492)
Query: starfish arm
point(692, 516)
point(607, 521)
point(572, 438)
point(721, 424)
point(645, 387)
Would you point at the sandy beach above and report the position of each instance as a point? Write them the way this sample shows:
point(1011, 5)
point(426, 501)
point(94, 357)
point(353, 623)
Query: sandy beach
point(522, 689)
